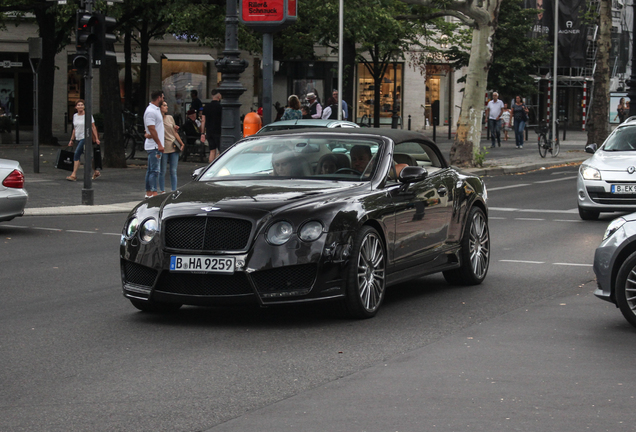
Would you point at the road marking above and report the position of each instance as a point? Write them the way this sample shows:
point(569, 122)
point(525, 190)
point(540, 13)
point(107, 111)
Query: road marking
point(498, 218)
point(507, 209)
point(14, 226)
point(81, 232)
point(568, 220)
point(523, 262)
point(530, 219)
point(573, 264)
point(555, 180)
point(509, 187)
point(113, 234)
point(47, 229)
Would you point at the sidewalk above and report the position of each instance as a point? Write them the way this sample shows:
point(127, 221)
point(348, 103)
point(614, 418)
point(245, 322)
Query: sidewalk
point(119, 190)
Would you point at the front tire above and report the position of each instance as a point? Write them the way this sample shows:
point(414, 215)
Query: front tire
point(475, 251)
point(625, 289)
point(588, 214)
point(543, 146)
point(155, 307)
point(366, 275)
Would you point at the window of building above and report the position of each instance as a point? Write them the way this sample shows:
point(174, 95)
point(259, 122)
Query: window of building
point(390, 93)
point(178, 79)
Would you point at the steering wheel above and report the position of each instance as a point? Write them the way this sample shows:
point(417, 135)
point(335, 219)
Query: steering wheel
point(347, 170)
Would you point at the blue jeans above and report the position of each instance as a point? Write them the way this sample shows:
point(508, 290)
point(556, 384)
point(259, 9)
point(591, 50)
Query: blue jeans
point(153, 170)
point(173, 159)
point(520, 125)
point(79, 150)
point(494, 127)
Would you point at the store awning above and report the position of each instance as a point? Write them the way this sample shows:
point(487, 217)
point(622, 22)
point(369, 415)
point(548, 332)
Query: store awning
point(135, 58)
point(189, 57)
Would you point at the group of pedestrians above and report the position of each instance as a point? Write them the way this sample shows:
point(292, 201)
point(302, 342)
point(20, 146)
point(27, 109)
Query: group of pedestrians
point(497, 112)
point(314, 109)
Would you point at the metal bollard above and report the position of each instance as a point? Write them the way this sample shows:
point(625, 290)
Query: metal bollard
point(17, 129)
point(409, 121)
point(434, 129)
point(565, 126)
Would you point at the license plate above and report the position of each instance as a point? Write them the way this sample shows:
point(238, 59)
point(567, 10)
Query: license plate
point(202, 263)
point(624, 189)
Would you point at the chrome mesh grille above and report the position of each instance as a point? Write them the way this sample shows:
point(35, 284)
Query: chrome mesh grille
point(288, 278)
point(207, 233)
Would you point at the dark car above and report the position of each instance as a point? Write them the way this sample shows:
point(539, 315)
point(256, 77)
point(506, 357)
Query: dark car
point(280, 218)
point(615, 266)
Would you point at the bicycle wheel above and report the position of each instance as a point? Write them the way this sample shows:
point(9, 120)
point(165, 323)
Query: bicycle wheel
point(543, 146)
point(556, 148)
point(130, 145)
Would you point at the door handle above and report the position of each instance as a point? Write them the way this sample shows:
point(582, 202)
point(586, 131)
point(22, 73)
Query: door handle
point(442, 191)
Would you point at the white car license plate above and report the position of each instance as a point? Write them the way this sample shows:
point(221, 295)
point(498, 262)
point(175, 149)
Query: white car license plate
point(624, 189)
point(202, 263)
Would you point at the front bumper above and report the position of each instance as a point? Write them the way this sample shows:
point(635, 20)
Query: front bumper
point(596, 195)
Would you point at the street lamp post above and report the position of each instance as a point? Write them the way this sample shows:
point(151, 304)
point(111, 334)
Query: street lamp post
point(231, 67)
point(394, 117)
point(632, 79)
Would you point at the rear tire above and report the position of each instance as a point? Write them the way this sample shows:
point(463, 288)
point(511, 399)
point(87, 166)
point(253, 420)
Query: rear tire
point(475, 251)
point(588, 214)
point(543, 146)
point(155, 307)
point(129, 147)
point(366, 275)
point(625, 289)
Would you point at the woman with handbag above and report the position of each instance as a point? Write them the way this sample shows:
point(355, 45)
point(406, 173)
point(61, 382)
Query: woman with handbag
point(171, 150)
point(78, 134)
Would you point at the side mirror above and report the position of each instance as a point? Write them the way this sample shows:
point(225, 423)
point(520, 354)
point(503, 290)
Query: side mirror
point(591, 148)
point(196, 172)
point(412, 174)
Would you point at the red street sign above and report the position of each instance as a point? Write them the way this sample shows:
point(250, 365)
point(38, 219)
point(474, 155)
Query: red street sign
point(264, 11)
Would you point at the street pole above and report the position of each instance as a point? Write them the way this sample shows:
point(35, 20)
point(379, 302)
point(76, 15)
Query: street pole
point(340, 57)
point(554, 75)
point(268, 77)
point(632, 80)
point(231, 67)
point(87, 190)
point(394, 118)
point(35, 53)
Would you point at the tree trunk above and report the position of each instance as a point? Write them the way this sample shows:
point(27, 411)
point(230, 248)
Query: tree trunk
point(142, 99)
point(110, 103)
point(128, 84)
point(598, 126)
point(46, 75)
point(349, 72)
point(469, 124)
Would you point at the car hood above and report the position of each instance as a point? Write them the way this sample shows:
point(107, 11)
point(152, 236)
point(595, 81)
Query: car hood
point(236, 195)
point(612, 161)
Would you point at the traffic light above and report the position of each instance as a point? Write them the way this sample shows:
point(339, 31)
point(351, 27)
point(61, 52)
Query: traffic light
point(103, 38)
point(84, 37)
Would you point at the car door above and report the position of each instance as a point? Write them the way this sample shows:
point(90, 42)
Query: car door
point(422, 210)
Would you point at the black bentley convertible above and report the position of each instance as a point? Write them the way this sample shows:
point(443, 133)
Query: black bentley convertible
point(310, 215)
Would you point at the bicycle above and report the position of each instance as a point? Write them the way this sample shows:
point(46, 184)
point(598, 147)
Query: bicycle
point(133, 137)
point(545, 142)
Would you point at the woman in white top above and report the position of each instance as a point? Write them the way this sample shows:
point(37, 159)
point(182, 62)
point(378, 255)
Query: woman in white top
point(78, 134)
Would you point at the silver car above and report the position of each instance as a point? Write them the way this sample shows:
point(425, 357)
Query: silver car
point(615, 266)
point(13, 196)
point(607, 181)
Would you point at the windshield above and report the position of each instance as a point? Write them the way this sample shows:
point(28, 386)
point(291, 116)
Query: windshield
point(623, 139)
point(284, 157)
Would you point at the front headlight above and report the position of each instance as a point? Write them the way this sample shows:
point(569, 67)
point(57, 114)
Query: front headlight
point(589, 173)
point(132, 227)
point(279, 233)
point(613, 227)
point(310, 231)
point(148, 230)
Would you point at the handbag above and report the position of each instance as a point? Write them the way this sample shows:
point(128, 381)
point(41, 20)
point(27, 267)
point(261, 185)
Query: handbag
point(97, 157)
point(64, 160)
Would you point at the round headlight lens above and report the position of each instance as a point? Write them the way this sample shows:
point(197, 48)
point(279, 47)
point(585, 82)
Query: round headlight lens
point(279, 233)
point(148, 230)
point(310, 231)
point(589, 173)
point(132, 227)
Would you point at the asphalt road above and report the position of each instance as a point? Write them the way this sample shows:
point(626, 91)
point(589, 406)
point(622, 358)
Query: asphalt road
point(529, 349)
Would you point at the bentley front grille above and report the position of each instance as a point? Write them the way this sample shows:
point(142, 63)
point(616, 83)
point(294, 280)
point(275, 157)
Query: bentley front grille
point(207, 233)
point(204, 284)
point(298, 278)
point(137, 274)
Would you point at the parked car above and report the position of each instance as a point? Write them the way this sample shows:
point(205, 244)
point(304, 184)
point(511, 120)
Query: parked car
point(607, 181)
point(306, 123)
point(615, 266)
point(290, 232)
point(13, 196)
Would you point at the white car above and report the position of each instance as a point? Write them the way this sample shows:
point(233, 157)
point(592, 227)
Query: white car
point(13, 196)
point(607, 181)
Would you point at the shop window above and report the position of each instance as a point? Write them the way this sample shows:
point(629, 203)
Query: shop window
point(178, 79)
point(390, 93)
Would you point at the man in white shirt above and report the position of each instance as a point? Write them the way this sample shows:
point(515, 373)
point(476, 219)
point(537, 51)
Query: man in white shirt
point(153, 122)
point(493, 114)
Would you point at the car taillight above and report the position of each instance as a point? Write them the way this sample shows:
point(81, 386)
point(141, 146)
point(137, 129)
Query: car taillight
point(14, 180)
